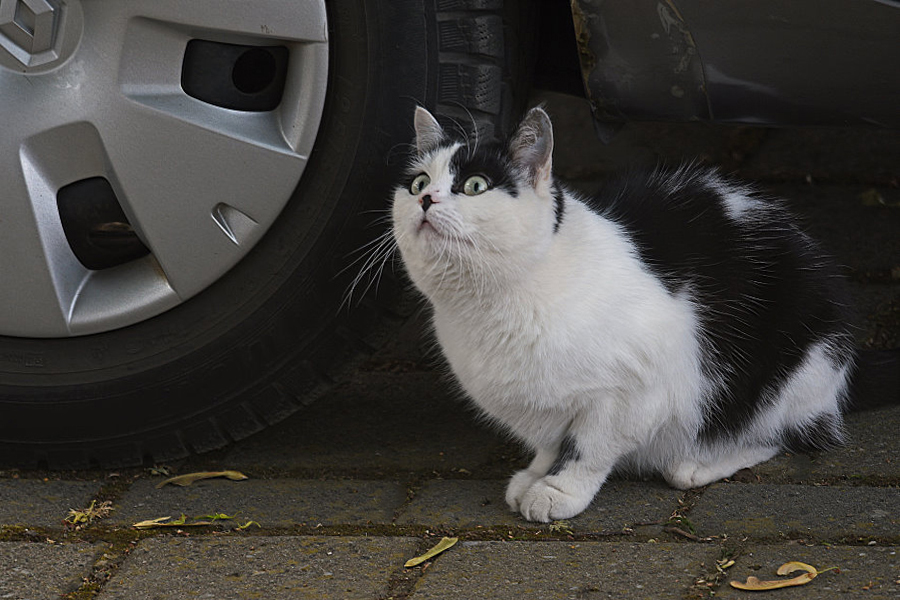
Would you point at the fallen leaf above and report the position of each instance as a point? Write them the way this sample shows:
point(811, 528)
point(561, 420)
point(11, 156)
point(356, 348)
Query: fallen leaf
point(218, 517)
point(189, 478)
point(789, 567)
point(872, 197)
point(754, 584)
point(246, 525)
point(150, 523)
point(164, 522)
point(445, 544)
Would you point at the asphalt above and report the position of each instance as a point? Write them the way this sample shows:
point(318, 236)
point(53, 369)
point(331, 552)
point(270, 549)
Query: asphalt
point(392, 459)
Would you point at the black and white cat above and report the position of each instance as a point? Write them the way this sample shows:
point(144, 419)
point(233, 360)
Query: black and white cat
point(675, 322)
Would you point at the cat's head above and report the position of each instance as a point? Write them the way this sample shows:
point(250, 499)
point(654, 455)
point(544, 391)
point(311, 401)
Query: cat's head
point(466, 208)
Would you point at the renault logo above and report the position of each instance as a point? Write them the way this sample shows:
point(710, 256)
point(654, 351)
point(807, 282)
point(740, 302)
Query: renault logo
point(29, 24)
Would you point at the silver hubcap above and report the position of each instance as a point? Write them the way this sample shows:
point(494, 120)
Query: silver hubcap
point(95, 89)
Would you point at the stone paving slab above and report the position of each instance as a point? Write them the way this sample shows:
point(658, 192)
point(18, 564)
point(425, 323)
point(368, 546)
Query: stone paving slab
point(774, 511)
point(274, 568)
point(870, 572)
point(271, 502)
point(622, 504)
point(564, 570)
point(41, 571)
point(460, 504)
point(873, 452)
point(464, 503)
point(376, 422)
point(38, 503)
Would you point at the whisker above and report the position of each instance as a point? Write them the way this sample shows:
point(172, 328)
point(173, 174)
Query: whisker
point(380, 250)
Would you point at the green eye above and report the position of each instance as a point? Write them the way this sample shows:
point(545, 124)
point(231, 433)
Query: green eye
point(418, 184)
point(476, 184)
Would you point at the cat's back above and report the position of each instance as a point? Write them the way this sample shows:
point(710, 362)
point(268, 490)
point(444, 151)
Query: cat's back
point(686, 219)
point(691, 226)
point(767, 298)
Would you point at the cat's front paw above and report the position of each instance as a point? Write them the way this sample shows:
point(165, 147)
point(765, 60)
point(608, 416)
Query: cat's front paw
point(544, 502)
point(517, 487)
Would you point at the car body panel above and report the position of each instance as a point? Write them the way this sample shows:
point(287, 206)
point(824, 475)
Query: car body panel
point(768, 62)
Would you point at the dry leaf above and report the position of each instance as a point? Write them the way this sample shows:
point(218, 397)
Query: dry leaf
point(164, 522)
point(754, 584)
point(789, 567)
point(871, 197)
point(189, 478)
point(445, 544)
point(150, 523)
point(218, 517)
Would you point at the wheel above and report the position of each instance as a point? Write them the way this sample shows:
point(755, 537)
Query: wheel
point(185, 185)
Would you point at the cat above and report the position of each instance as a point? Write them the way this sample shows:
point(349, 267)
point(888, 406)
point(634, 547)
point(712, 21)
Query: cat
point(675, 322)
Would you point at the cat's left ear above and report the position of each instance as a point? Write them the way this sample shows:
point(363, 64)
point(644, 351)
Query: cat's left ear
point(531, 147)
point(429, 133)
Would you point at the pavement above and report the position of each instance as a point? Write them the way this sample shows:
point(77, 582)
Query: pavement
point(339, 496)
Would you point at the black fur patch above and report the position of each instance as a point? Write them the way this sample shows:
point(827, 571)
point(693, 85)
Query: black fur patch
point(491, 161)
point(824, 433)
point(764, 293)
point(559, 206)
point(568, 452)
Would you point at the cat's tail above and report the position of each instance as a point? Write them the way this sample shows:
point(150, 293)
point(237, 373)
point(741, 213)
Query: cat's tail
point(876, 380)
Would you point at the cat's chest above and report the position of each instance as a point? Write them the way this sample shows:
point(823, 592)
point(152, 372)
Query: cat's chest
point(548, 350)
point(509, 354)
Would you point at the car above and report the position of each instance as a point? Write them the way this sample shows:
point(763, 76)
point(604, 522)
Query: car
point(189, 187)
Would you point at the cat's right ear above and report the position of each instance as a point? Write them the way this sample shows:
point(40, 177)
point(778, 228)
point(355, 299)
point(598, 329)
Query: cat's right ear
point(429, 133)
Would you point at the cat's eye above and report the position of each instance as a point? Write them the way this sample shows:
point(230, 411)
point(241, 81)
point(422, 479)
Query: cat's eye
point(418, 184)
point(476, 184)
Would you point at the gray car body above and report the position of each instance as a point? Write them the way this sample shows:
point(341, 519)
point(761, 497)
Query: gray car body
point(766, 62)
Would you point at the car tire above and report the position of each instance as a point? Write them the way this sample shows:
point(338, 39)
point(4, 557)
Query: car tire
point(268, 337)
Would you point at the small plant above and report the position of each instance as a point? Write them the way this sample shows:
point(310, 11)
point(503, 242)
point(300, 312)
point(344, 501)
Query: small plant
point(80, 519)
point(561, 527)
point(681, 522)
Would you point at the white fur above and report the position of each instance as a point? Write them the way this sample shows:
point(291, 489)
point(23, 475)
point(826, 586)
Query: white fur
point(566, 333)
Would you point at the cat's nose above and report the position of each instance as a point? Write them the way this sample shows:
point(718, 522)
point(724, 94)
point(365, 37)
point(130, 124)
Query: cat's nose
point(426, 202)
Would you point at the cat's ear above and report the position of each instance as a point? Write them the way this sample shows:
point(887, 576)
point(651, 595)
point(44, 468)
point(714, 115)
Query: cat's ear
point(531, 147)
point(429, 134)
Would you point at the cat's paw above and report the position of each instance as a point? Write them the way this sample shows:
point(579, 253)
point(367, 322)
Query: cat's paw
point(544, 502)
point(517, 487)
point(692, 474)
point(689, 475)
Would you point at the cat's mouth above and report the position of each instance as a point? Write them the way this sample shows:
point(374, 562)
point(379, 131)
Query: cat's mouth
point(429, 229)
point(426, 225)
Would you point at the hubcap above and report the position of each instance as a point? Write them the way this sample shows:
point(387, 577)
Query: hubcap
point(124, 194)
